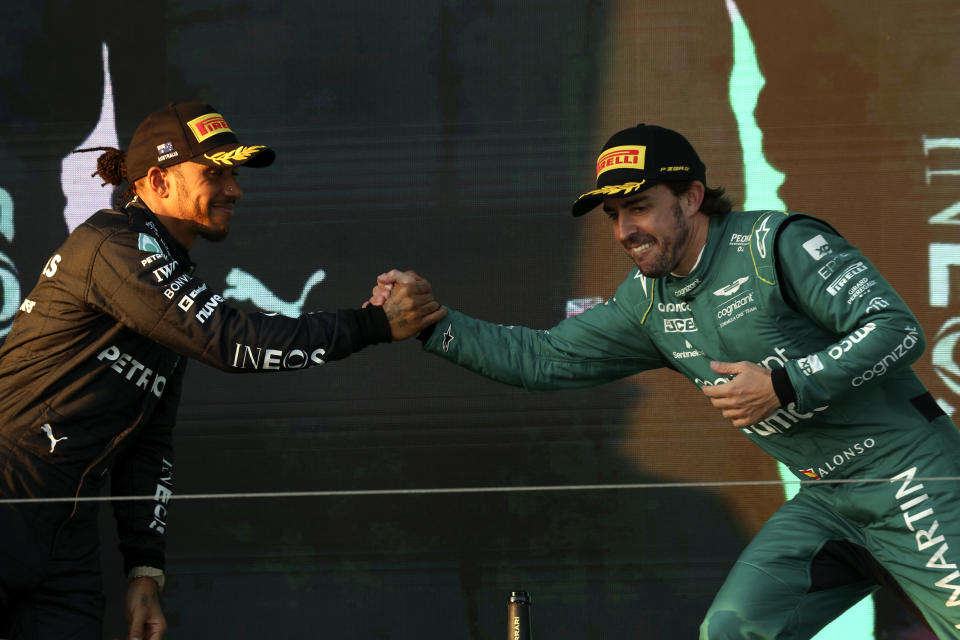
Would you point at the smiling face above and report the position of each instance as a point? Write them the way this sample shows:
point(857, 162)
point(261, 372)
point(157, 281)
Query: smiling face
point(204, 197)
point(661, 232)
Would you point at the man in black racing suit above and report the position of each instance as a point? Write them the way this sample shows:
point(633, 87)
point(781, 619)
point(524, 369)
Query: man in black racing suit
point(91, 372)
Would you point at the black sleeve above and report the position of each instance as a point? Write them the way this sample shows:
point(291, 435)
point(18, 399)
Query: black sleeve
point(156, 296)
point(145, 468)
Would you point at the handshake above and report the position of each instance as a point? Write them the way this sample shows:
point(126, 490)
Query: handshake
point(407, 302)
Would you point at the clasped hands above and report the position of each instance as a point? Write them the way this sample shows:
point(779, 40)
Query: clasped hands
point(407, 301)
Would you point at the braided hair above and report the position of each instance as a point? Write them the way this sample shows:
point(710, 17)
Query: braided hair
point(112, 167)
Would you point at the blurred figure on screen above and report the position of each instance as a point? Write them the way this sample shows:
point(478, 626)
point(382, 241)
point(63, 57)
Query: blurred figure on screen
point(92, 370)
point(798, 340)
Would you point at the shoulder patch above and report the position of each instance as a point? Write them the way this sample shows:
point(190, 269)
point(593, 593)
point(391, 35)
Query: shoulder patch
point(643, 281)
point(763, 235)
point(148, 244)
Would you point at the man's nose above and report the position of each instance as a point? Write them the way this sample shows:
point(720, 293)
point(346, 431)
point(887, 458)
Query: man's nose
point(233, 188)
point(622, 227)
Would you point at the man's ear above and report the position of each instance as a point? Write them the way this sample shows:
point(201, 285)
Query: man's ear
point(694, 196)
point(157, 182)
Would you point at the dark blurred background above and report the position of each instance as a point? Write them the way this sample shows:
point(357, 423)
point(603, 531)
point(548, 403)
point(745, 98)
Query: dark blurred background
point(450, 137)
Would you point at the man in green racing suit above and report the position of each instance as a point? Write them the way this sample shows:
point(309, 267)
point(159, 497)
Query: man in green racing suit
point(796, 337)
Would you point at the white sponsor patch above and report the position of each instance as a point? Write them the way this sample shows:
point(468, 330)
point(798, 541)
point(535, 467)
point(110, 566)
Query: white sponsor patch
point(817, 247)
point(679, 325)
point(810, 364)
point(845, 277)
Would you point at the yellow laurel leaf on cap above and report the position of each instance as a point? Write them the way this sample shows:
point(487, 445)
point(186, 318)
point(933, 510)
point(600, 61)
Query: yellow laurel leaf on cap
point(240, 154)
point(612, 189)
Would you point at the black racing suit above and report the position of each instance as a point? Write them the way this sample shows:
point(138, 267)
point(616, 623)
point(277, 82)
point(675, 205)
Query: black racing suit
point(90, 379)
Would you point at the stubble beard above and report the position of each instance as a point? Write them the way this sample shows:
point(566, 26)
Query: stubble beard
point(666, 260)
point(200, 220)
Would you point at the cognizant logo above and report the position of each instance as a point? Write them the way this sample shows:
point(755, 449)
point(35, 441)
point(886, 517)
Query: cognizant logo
point(881, 367)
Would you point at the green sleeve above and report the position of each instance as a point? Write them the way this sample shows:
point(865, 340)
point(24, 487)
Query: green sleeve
point(602, 344)
point(836, 287)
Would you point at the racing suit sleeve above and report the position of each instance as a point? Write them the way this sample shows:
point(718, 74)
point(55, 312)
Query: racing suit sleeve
point(145, 468)
point(602, 344)
point(159, 297)
point(874, 334)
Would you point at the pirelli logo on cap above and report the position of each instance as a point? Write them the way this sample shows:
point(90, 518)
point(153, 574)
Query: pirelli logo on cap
point(209, 124)
point(625, 157)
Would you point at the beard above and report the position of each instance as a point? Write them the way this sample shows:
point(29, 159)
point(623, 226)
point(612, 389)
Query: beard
point(667, 259)
point(211, 234)
point(200, 221)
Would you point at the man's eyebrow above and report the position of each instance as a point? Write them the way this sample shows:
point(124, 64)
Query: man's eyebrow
point(641, 198)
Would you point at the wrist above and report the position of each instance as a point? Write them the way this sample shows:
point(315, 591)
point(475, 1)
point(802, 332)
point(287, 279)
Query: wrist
point(157, 575)
point(783, 387)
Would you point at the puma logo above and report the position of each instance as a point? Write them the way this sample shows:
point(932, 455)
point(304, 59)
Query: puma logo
point(243, 286)
point(53, 441)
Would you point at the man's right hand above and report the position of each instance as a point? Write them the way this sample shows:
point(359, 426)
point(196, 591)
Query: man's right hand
point(143, 610)
point(407, 301)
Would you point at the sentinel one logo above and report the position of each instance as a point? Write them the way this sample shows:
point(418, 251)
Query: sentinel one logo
point(691, 352)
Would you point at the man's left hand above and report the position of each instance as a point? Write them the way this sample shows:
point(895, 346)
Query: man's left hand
point(748, 398)
point(143, 610)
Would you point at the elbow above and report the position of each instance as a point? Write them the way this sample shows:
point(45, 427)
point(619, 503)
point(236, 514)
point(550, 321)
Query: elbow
point(915, 342)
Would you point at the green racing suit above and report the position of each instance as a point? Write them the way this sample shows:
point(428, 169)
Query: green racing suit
point(787, 292)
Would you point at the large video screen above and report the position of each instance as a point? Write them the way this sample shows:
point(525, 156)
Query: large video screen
point(392, 495)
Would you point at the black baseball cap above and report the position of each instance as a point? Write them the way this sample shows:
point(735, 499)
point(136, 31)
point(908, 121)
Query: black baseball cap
point(635, 159)
point(189, 131)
